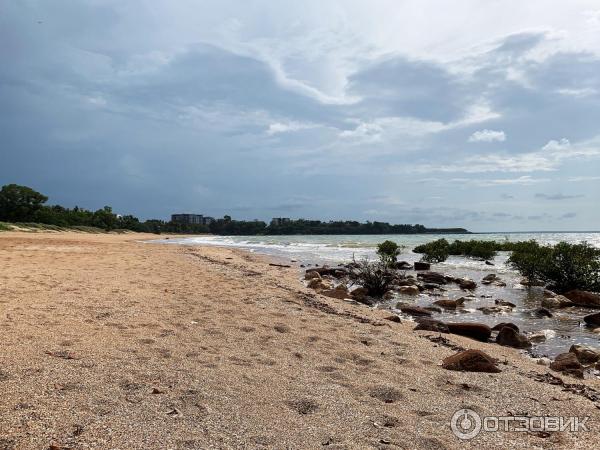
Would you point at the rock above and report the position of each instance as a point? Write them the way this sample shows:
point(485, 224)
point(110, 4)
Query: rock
point(556, 302)
point(421, 265)
point(511, 338)
point(542, 312)
point(585, 355)
point(415, 311)
point(478, 331)
point(543, 361)
point(359, 293)
point(567, 363)
point(592, 320)
point(537, 337)
point(394, 318)
point(311, 275)
point(501, 302)
point(409, 290)
point(319, 284)
point(427, 324)
point(406, 282)
point(548, 293)
point(335, 272)
point(489, 263)
point(340, 291)
point(584, 298)
point(369, 301)
point(465, 283)
point(448, 304)
point(489, 279)
point(433, 309)
point(466, 299)
point(471, 361)
point(505, 324)
point(490, 310)
point(500, 283)
point(432, 286)
point(389, 295)
point(432, 277)
point(403, 265)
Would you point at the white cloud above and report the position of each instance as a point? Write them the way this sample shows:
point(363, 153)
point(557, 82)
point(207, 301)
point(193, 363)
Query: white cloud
point(286, 127)
point(488, 136)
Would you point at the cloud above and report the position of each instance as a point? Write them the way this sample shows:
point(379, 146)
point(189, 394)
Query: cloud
point(487, 136)
point(557, 196)
point(286, 127)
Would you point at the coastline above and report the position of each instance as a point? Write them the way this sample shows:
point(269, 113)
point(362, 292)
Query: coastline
point(111, 342)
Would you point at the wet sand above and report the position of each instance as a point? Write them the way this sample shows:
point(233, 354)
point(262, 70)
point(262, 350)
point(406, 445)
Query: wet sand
point(108, 342)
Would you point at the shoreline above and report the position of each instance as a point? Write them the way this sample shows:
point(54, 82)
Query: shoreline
point(166, 345)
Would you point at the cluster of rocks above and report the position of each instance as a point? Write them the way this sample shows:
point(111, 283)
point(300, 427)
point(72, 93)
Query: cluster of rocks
point(332, 282)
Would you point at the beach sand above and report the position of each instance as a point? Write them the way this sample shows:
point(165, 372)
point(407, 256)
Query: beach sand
point(108, 342)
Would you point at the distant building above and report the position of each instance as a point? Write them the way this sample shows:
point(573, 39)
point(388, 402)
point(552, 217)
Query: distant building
point(195, 219)
point(277, 221)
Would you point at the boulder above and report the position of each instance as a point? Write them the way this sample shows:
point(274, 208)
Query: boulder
point(584, 298)
point(471, 361)
point(421, 265)
point(428, 324)
point(393, 318)
point(409, 290)
point(388, 295)
point(433, 309)
point(501, 325)
point(567, 363)
point(415, 311)
point(592, 320)
point(490, 310)
point(541, 336)
point(403, 265)
point(465, 283)
point(511, 338)
point(432, 277)
point(548, 293)
point(359, 293)
point(542, 312)
point(489, 279)
point(311, 275)
point(340, 291)
point(449, 304)
point(319, 284)
point(585, 355)
point(406, 282)
point(501, 302)
point(478, 331)
point(556, 302)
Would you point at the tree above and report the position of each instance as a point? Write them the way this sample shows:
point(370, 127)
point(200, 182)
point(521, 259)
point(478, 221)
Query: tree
point(19, 203)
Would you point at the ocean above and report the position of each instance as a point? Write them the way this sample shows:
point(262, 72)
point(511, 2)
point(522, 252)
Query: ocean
point(559, 332)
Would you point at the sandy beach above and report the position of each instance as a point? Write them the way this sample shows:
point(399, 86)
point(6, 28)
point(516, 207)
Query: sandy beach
point(110, 342)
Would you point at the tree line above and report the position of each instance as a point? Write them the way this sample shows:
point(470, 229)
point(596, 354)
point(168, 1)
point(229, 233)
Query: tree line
point(25, 205)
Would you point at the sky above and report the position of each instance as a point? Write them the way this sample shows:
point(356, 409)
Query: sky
point(479, 114)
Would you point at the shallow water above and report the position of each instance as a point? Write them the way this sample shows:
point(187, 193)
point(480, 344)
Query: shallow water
point(563, 329)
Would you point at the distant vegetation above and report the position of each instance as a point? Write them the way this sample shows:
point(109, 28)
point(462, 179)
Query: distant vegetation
point(21, 204)
point(562, 267)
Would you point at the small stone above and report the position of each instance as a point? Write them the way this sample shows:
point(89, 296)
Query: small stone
point(471, 361)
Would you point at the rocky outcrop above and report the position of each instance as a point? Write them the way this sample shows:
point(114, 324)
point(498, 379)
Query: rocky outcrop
point(585, 355)
point(556, 302)
point(471, 361)
point(511, 338)
point(478, 331)
point(427, 324)
point(584, 298)
point(592, 320)
point(421, 265)
point(567, 363)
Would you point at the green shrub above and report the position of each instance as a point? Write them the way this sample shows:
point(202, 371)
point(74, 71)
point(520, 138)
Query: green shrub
point(475, 249)
point(564, 266)
point(435, 251)
point(388, 252)
point(4, 227)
